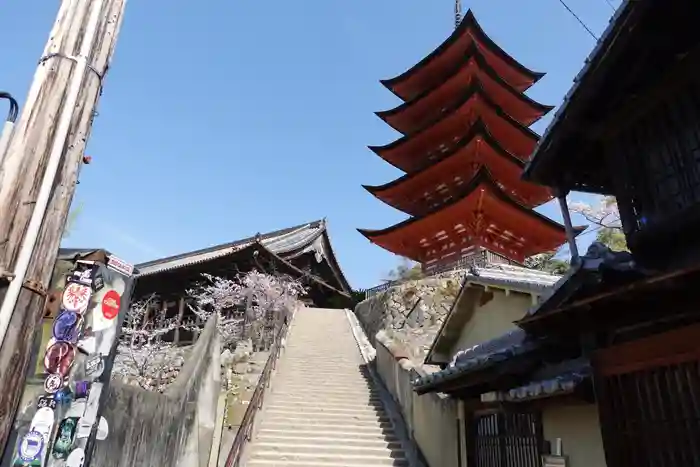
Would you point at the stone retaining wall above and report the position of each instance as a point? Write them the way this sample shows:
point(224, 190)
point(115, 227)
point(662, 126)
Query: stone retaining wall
point(176, 428)
point(411, 312)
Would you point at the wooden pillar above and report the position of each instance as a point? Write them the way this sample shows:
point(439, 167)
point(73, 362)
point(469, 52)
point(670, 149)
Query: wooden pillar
point(180, 314)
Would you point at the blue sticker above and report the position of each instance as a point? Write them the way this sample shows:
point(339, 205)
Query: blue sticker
point(31, 446)
point(65, 326)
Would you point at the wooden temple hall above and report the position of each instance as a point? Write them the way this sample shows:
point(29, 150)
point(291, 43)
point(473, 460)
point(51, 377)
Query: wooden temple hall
point(302, 252)
point(620, 333)
point(465, 122)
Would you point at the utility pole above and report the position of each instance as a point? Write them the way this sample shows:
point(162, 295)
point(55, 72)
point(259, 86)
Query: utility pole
point(39, 173)
point(458, 13)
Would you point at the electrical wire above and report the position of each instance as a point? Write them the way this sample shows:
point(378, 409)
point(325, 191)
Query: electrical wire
point(612, 7)
point(578, 19)
point(14, 107)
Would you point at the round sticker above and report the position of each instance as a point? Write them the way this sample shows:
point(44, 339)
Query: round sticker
point(31, 446)
point(76, 297)
point(110, 304)
point(65, 326)
point(59, 358)
point(53, 383)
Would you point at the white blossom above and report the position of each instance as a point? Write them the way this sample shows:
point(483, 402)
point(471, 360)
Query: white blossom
point(245, 306)
point(603, 214)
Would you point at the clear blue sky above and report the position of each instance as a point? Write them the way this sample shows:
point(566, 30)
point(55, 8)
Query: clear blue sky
point(222, 118)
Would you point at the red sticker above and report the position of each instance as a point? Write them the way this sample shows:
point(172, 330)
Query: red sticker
point(110, 304)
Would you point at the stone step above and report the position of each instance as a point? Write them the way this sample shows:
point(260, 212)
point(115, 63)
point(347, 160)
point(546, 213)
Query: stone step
point(316, 379)
point(313, 389)
point(325, 407)
point(336, 373)
point(325, 386)
point(338, 435)
point(318, 364)
point(326, 439)
point(310, 459)
point(277, 463)
point(326, 416)
point(282, 399)
point(339, 449)
point(294, 425)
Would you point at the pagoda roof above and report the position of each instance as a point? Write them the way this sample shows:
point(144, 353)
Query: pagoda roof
point(406, 152)
point(411, 114)
point(478, 148)
point(286, 244)
point(434, 66)
point(484, 216)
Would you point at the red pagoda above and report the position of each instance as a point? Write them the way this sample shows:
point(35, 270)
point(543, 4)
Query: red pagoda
point(465, 124)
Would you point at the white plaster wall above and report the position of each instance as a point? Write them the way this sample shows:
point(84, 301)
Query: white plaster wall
point(493, 319)
point(579, 429)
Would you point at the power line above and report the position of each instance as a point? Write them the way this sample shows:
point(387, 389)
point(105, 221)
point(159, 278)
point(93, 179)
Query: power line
point(578, 19)
point(610, 5)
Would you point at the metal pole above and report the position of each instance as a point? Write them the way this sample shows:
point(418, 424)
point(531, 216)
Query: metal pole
point(9, 123)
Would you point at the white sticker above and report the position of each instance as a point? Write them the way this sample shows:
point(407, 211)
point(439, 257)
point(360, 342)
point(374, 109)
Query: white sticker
point(76, 458)
point(53, 383)
point(31, 447)
point(76, 297)
point(120, 265)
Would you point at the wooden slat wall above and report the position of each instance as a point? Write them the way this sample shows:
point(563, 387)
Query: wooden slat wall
point(648, 395)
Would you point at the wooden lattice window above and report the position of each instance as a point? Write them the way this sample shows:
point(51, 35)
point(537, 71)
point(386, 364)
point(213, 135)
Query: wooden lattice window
point(505, 439)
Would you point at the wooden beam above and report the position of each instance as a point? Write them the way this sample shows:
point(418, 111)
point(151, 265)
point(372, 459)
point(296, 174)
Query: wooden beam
point(180, 314)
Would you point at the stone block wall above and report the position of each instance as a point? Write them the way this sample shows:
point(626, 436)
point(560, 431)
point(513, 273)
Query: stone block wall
point(175, 428)
point(411, 312)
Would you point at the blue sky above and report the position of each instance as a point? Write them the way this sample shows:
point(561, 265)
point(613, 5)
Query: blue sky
point(225, 118)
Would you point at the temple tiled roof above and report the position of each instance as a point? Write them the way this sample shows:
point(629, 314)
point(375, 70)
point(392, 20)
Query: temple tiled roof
point(506, 275)
point(280, 242)
point(564, 380)
point(481, 356)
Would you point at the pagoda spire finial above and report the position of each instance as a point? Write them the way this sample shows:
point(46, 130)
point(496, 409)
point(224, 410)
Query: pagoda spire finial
point(458, 13)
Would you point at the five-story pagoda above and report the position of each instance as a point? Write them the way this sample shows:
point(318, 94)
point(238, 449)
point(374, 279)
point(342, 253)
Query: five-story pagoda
point(465, 125)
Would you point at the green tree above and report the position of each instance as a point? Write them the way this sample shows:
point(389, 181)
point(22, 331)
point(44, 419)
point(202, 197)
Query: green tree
point(548, 262)
point(406, 270)
point(70, 222)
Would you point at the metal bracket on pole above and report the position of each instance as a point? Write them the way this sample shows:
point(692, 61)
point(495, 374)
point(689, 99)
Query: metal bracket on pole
point(6, 275)
point(35, 286)
point(76, 59)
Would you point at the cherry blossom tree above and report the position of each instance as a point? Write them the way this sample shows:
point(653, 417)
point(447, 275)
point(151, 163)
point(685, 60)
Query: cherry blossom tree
point(605, 216)
point(142, 354)
point(247, 305)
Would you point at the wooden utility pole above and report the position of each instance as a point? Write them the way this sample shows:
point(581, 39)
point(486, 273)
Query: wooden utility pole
point(39, 173)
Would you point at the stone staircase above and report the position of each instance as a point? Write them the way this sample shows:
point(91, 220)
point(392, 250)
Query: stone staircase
point(323, 409)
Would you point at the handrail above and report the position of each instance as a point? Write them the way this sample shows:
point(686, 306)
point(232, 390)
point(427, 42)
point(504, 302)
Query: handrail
point(245, 430)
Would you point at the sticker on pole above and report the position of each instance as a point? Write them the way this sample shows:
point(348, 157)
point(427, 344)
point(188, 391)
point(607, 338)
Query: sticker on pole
point(53, 383)
point(110, 304)
point(31, 446)
point(120, 265)
point(66, 326)
point(76, 297)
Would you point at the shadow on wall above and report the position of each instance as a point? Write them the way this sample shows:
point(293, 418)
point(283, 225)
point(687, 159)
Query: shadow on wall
point(430, 418)
point(175, 428)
